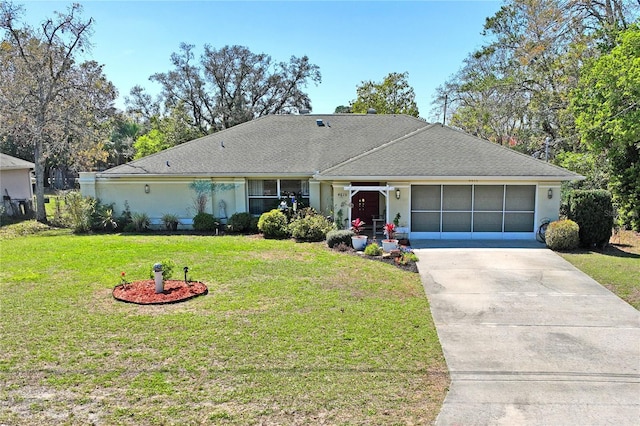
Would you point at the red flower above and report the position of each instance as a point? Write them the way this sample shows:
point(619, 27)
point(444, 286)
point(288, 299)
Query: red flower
point(122, 274)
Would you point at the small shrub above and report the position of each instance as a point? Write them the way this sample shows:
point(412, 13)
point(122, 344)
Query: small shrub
point(310, 227)
point(205, 222)
point(273, 224)
point(140, 221)
point(340, 236)
point(125, 220)
point(373, 249)
point(242, 223)
point(103, 218)
point(80, 211)
point(168, 266)
point(562, 235)
point(342, 247)
point(592, 210)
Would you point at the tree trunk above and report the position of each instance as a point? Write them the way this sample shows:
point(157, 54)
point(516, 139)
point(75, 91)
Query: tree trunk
point(41, 215)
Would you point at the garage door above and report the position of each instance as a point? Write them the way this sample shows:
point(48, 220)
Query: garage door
point(472, 210)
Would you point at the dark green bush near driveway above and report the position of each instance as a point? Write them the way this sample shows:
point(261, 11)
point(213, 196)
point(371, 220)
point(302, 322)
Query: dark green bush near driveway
point(592, 210)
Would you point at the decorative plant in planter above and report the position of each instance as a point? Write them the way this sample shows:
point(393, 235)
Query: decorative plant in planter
point(359, 242)
point(390, 243)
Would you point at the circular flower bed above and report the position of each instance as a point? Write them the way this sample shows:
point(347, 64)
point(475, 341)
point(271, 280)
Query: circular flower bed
point(144, 292)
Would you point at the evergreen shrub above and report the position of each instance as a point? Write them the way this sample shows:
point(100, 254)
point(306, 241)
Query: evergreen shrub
point(205, 222)
point(273, 224)
point(373, 249)
point(310, 227)
point(338, 236)
point(592, 210)
point(242, 223)
point(562, 235)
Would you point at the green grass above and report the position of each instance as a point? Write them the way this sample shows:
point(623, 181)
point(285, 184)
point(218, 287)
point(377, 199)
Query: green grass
point(288, 334)
point(617, 267)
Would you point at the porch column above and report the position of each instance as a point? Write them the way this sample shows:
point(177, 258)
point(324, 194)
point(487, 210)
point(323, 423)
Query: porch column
point(241, 195)
point(314, 195)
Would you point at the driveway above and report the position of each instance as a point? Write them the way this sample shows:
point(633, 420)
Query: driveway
point(528, 338)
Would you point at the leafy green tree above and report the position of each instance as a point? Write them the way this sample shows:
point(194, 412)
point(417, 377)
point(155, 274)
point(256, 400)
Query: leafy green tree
point(607, 108)
point(48, 99)
point(168, 131)
point(393, 95)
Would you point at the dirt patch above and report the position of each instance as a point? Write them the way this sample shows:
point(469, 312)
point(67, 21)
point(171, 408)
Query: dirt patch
point(144, 292)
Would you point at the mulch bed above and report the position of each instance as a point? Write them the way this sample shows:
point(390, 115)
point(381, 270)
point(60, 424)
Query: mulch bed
point(144, 292)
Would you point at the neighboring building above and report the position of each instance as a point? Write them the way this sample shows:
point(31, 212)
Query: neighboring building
point(443, 182)
point(15, 185)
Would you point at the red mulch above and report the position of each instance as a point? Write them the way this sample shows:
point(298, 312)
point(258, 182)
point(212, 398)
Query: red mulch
point(144, 292)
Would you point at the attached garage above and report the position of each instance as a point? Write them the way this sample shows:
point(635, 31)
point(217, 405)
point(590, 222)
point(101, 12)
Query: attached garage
point(473, 211)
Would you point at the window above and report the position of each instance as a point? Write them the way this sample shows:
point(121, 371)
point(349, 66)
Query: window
point(266, 194)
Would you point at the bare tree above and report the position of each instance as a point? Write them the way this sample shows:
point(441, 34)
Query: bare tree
point(47, 99)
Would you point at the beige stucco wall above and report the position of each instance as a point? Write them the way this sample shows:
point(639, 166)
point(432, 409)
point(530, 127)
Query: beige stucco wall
point(175, 196)
point(17, 183)
point(163, 196)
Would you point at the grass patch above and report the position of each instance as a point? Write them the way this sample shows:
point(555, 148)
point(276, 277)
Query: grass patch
point(289, 334)
point(617, 267)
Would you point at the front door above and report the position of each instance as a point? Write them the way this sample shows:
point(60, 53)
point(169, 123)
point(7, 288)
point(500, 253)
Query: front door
point(366, 204)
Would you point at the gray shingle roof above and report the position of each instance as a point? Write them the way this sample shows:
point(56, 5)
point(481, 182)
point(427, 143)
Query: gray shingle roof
point(276, 145)
point(436, 151)
point(346, 146)
point(7, 162)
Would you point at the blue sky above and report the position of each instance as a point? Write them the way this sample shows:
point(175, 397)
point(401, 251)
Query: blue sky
point(351, 41)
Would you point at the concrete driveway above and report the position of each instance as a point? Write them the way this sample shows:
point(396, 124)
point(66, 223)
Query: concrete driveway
point(529, 339)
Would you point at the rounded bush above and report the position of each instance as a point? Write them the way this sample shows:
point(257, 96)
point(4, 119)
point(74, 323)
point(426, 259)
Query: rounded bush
point(339, 236)
point(273, 224)
point(242, 222)
point(311, 227)
point(373, 249)
point(205, 222)
point(563, 235)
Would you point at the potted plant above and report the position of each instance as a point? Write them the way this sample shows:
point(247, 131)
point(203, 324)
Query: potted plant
point(359, 242)
point(390, 243)
point(170, 221)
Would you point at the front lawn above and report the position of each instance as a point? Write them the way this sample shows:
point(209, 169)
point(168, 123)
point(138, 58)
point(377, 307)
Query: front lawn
point(617, 267)
point(288, 334)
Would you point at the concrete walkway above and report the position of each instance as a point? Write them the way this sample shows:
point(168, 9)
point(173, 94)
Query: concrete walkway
point(528, 338)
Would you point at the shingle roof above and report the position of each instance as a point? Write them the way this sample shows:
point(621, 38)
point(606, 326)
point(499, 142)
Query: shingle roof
point(348, 146)
point(276, 144)
point(8, 162)
point(436, 151)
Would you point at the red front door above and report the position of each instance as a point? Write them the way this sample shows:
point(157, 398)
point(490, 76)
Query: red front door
point(366, 204)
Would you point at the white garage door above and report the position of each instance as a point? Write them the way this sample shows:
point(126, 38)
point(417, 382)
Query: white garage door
point(467, 211)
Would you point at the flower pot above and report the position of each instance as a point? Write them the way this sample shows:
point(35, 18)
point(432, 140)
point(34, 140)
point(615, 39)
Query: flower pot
point(359, 242)
point(388, 245)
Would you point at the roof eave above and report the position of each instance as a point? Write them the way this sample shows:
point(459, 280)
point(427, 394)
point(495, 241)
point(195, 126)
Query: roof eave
point(452, 178)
